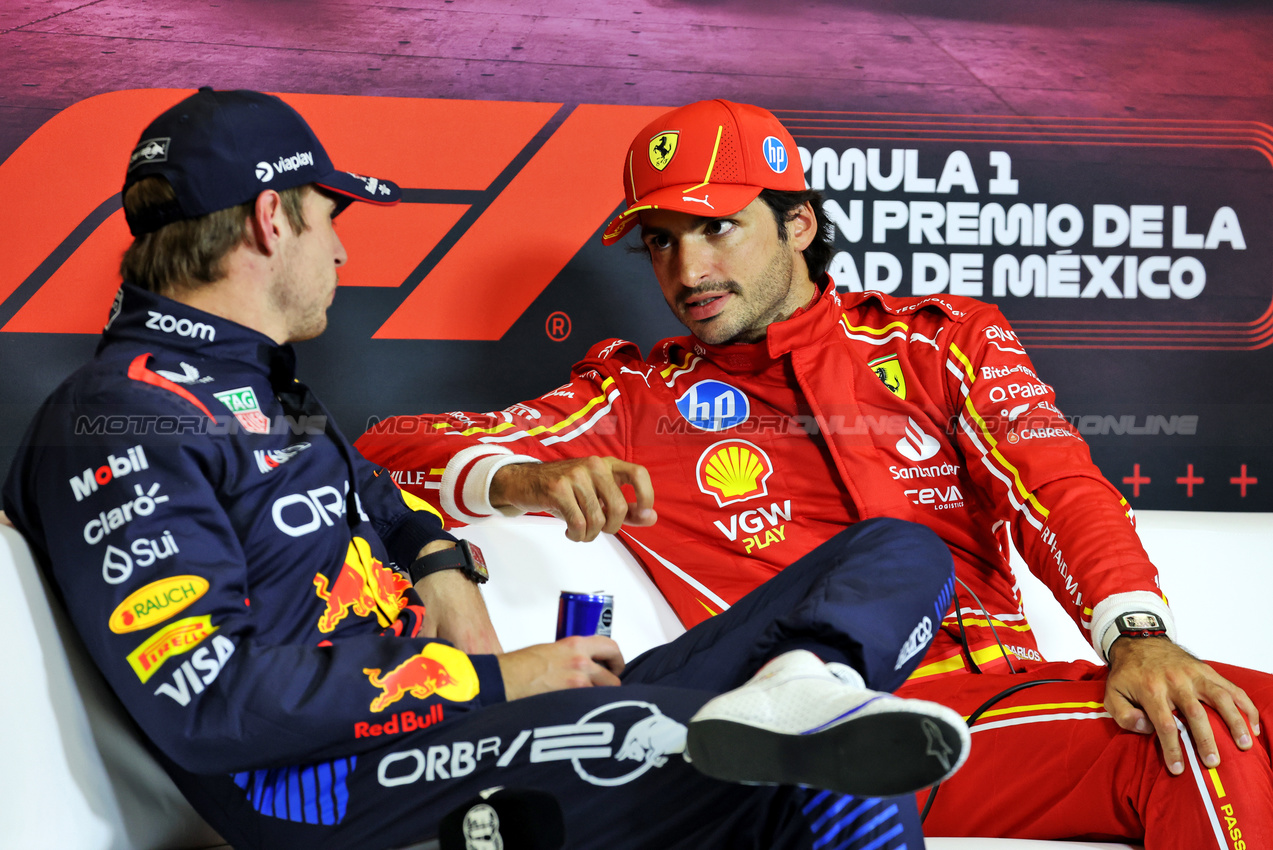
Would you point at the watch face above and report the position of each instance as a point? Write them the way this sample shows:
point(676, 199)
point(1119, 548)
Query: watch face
point(476, 561)
point(1141, 622)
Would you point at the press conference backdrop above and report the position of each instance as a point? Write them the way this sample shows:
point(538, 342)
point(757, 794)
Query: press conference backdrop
point(1130, 254)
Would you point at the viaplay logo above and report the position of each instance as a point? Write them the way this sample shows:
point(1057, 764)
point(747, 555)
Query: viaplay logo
point(265, 171)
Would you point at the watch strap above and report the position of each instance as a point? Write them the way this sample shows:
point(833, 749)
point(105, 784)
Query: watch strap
point(464, 557)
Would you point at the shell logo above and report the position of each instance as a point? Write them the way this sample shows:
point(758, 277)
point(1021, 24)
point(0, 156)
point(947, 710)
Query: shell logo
point(734, 471)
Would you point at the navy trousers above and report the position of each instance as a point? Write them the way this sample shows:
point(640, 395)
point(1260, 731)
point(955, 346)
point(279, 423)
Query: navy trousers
point(611, 755)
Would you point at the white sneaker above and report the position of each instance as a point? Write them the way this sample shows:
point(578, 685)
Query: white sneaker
point(802, 722)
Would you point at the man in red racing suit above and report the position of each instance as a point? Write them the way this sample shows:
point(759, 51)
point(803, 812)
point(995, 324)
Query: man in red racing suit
point(762, 443)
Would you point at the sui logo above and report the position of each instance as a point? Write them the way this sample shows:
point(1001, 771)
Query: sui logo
point(775, 154)
point(714, 406)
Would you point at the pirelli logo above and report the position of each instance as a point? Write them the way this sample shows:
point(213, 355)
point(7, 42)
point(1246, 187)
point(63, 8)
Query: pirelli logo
point(176, 639)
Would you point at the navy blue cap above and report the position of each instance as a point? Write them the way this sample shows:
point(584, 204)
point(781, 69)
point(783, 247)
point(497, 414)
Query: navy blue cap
point(219, 149)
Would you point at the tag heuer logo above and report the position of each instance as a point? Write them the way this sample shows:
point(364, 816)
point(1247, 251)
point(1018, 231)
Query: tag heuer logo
point(663, 148)
point(149, 150)
point(242, 403)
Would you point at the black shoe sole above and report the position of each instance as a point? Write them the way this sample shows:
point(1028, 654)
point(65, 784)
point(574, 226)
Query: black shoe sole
point(878, 755)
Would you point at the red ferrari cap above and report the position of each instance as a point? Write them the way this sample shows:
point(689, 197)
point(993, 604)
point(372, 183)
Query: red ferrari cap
point(710, 158)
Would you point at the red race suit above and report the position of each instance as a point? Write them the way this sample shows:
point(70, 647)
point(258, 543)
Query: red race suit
point(926, 409)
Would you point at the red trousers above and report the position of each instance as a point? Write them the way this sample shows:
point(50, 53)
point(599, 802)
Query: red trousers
point(1049, 762)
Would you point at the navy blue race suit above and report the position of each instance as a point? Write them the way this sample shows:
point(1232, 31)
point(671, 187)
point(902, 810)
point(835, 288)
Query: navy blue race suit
point(235, 568)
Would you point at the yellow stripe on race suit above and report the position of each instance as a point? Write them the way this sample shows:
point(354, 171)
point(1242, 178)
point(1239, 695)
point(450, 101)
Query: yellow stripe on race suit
point(415, 503)
point(981, 425)
point(676, 367)
point(901, 325)
point(1044, 706)
point(1215, 780)
point(956, 662)
point(992, 622)
point(708, 607)
point(542, 429)
point(874, 340)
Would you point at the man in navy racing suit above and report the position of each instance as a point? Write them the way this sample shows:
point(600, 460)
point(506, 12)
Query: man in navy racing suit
point(306, 648)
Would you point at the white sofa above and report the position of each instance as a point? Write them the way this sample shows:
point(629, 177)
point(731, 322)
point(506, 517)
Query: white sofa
point(77, 777)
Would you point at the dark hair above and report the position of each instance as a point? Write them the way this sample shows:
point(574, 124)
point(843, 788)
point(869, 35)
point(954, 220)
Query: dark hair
point(191, 252)
point(785, 206)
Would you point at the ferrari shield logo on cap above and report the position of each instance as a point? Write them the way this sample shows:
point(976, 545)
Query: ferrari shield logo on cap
point(663, 148)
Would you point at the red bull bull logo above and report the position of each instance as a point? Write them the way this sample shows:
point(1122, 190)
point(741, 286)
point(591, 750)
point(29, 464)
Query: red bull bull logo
point(438, 669)
point(734, 471)
point(364, 585)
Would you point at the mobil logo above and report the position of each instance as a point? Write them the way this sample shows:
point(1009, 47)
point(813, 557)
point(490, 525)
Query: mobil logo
point(128, 462)
point(734, 471)
point(365, 585)
point(714, 406)
point(437, 669)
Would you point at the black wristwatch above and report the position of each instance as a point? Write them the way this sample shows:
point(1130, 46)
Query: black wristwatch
point(1139, 624)
point(465, 557)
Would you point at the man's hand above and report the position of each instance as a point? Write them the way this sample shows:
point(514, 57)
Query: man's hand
point(1151, 677)
point(573, 662)
point(584, 492)
point(454, 609)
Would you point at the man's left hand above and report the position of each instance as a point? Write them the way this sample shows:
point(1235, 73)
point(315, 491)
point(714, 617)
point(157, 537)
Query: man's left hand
point(1149, 678)
point(455, 611)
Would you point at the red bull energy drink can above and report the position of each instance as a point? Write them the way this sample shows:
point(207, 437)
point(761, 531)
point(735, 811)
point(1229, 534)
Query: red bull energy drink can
point(584, 614)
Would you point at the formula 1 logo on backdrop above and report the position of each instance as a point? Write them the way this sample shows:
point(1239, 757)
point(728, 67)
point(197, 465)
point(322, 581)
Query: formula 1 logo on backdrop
point(1018, 235)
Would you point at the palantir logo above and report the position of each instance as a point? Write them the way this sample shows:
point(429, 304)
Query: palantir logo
point(917, 445)
point(714, 406)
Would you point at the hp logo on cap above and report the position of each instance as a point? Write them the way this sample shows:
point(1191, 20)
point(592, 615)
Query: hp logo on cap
point(775, 154)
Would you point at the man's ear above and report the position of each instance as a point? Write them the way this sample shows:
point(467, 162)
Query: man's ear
point(267, 223)
point(802, 227)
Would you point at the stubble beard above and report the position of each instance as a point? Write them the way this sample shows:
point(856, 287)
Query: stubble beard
point(754, 312)
point(306, 318)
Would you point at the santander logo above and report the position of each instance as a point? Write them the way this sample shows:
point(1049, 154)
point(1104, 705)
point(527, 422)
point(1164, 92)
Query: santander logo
point(916, 444)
